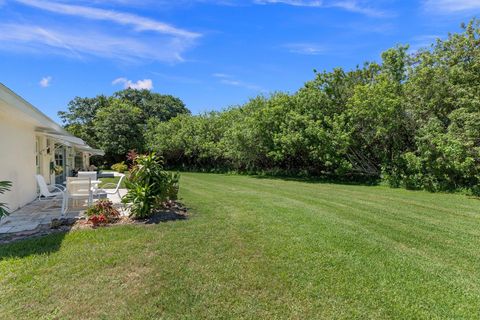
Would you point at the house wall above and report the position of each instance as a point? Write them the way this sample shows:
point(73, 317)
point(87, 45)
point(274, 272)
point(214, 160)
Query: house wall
point(17, 161)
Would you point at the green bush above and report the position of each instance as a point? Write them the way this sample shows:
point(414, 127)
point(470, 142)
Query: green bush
point(120, 167)
point(149, 186)
point(411, 119)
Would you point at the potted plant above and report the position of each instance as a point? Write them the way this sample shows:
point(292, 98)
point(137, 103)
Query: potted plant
point(58, 170)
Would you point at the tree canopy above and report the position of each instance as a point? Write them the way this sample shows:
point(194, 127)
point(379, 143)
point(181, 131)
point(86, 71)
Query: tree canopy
point(116, 123)
point(413, 120)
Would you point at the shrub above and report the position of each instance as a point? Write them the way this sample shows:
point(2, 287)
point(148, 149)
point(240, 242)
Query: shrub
point(4, 186)
point(149, 186)
point(173, 186)
point(120, 167)
point(102, 212)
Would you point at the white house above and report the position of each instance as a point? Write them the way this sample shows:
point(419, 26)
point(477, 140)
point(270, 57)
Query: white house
point(31, 143)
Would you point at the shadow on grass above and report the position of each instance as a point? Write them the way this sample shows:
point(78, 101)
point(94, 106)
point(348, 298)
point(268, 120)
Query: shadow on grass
point(163, 216)
point(44, 244)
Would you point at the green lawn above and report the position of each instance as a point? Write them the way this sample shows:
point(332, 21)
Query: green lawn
point(261, 249)
point(113, 180)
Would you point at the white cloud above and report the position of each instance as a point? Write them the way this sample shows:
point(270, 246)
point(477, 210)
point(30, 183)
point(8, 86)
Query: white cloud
point(348, 5)
point(221, 75)
point(106, 33)
point(45, 82)
point(305, 48)
point(72, 42)
point(231, 81)
point(452, 6)
point(139, 23)
point(139, 85)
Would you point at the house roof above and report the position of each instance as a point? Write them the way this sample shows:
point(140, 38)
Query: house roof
point(43, 124)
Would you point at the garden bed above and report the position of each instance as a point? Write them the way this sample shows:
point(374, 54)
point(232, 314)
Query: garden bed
point(175, 211)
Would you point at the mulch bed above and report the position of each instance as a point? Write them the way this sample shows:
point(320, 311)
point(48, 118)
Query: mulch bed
point(173, 212)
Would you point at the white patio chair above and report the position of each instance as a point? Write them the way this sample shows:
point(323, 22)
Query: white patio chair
point(48, 192)
point(114, 190)
point(77, 189)
point(88, 174)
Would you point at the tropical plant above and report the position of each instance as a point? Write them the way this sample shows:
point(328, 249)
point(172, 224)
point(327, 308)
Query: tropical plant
point(173, 180)
point(149, 186)
point(4, 187)
point(120, 167)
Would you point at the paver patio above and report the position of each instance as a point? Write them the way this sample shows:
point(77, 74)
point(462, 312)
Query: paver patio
point(38, 212)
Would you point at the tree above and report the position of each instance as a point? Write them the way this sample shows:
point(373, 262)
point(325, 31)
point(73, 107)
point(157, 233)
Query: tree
point(413, 120)
point(153, 105)
point(84, 115)
point(79, 118)
point(119, 128)
point(443, 96)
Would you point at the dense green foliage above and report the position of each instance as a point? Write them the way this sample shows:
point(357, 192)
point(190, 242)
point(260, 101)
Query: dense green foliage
point(4, 187)
point(149, 186)
point(116, 124)
point(256, 248)
point(413, 119)
point(120, 167)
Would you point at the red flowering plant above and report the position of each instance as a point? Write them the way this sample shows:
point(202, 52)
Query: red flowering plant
point(102, 212)
point(98, 220)
point(132, 155)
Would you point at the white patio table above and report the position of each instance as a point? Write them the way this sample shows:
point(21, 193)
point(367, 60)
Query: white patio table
point(94, 182)
point(95, 189)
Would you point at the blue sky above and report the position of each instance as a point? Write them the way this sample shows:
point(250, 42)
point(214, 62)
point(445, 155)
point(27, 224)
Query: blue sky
point(210, 53)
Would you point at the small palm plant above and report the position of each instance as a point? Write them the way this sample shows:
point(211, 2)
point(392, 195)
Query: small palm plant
point(4, 186)
point(149, 186)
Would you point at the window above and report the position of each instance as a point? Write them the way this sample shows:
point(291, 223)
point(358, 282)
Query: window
point(59, 157)
point(79, 161)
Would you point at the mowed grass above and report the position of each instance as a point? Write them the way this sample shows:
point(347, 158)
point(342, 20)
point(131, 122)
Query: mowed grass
point(113, 180)
point(261, 249)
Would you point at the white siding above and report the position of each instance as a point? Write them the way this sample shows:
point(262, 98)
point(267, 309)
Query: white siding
point(17, 161)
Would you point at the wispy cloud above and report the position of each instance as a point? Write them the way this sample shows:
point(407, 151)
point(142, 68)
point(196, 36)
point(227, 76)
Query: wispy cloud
point(451, 6)
point(232, 81)
point(95, 32)
point(348, 5)
point(221, 75)
point(305, 48)
point(45, 82)
point(76, 43)
point(139, 85)
point(139, 23)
